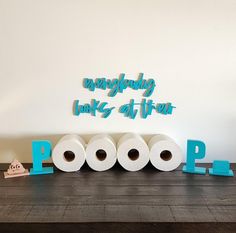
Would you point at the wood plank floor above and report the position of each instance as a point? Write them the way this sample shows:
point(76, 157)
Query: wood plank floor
point(102, 201)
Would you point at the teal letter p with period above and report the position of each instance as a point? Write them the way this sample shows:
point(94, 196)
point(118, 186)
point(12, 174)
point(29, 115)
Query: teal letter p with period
point(41, 150)
point(195, 150)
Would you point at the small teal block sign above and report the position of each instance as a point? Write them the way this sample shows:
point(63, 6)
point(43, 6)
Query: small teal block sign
point(195, 150)
point(221, 168)
point(41, 150)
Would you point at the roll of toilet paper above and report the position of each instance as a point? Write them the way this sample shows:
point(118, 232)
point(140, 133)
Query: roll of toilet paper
point(132, 152)
point(101, 152)
point(165, 154)
point(69, 153)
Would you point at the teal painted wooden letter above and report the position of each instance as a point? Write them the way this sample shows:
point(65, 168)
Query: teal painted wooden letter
point(221, 168)
point(195, 150)
point(41, 150)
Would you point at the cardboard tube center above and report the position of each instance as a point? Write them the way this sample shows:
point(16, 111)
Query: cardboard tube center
point(101, 154)
point(69, 156)
point(133, 154)
point(166, 155)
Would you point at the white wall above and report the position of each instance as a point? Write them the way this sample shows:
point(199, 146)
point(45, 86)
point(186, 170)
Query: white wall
point(47, 47)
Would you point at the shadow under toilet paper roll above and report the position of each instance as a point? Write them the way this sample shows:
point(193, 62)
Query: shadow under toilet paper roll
point(165, 154)
point(69, 153)
point(132, 152)
point(101, 152)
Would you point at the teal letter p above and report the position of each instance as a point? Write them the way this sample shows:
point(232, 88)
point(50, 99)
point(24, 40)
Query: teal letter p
point(195, 150)
point(41, 150)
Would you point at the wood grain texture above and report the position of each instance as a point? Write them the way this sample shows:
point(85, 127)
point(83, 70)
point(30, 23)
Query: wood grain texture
point(150, 199)
point(118, 227)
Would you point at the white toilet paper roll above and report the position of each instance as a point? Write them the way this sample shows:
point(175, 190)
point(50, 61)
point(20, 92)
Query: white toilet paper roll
point(132, 152)
point(165, 154)
point(101, 152)
point(69, 153)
